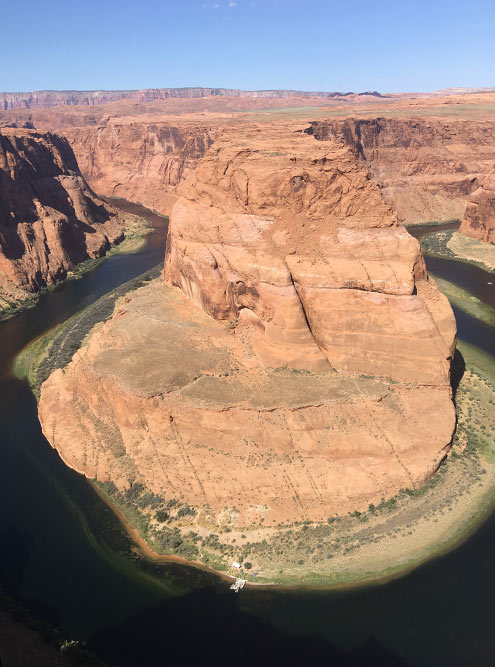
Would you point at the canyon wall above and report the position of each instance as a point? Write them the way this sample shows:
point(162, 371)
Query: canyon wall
point(295, 361)
point(142, 159)
point(49, 218)
point(479, 217)
point(427, 168)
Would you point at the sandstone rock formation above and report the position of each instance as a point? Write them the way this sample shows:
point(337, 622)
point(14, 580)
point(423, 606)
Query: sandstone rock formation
point(287, 233)
point(479, 217)
point(427, 168)
point(312, 375)
point(170, 397)
point(141, 145)
point(49, 218)
point(27, 125)
point(142, 159)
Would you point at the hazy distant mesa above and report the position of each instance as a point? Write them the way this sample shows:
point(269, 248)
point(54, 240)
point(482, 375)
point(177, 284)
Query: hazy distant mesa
point(51, 98)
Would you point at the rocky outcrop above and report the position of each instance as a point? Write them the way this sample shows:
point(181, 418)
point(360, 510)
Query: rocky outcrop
point(141, 159)
point(49, 218)
point(291, 235)
point(27, 125)
point(427, 168)
point(52, 98)
point(311, 378)
point(479, 218)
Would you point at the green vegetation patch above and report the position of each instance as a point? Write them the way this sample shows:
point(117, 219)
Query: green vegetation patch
point(435, 244)
point(11, 307)
point(165, 525)
point(56, 348)
point(465, 301)
point(477, 361)
point(453, 245)
point(437, 223)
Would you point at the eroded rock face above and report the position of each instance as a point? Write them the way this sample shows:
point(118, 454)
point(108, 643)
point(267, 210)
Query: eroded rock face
point(310, 378)
point(479, 218)
point(292, 236)
point(427, 168)
point(139, 159)
point(49, 218)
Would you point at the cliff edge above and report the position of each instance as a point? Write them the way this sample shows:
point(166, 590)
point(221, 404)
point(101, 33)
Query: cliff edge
point(50, 219)
point(479, 217)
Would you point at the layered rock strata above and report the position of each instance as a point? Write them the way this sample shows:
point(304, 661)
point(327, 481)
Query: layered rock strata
point(479, 218)
point(141, 159)
point(295, 365)
point(292, 236)
point(427, 168)
point(49, 218)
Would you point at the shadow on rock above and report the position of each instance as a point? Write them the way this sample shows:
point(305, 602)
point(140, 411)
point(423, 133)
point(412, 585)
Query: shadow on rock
point(458, 369)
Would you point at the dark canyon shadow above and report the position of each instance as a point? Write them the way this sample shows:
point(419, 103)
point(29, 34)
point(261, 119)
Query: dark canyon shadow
point(457, 370)
point(190, 630)
point(15, 548)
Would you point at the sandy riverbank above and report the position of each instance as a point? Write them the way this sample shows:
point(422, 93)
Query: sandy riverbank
point(460, 248)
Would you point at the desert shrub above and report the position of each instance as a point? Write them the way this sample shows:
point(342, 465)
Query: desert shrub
point(150, 499)
point(186, 511)
point(68, 340)
point(134, 491)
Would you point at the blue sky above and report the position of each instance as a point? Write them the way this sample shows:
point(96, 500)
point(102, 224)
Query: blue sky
point(252, 44)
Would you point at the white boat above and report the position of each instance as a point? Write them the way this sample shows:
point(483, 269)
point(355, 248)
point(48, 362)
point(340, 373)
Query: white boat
point(237, 585)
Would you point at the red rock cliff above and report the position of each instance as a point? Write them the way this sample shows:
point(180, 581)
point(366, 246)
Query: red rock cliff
point(51, 98)
point(479, 217)
point(427, 168)
point(291, 235)
point(141, 159)
point(49, 218)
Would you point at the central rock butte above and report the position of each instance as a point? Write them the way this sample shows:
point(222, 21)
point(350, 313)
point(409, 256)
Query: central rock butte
point(293, 364)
